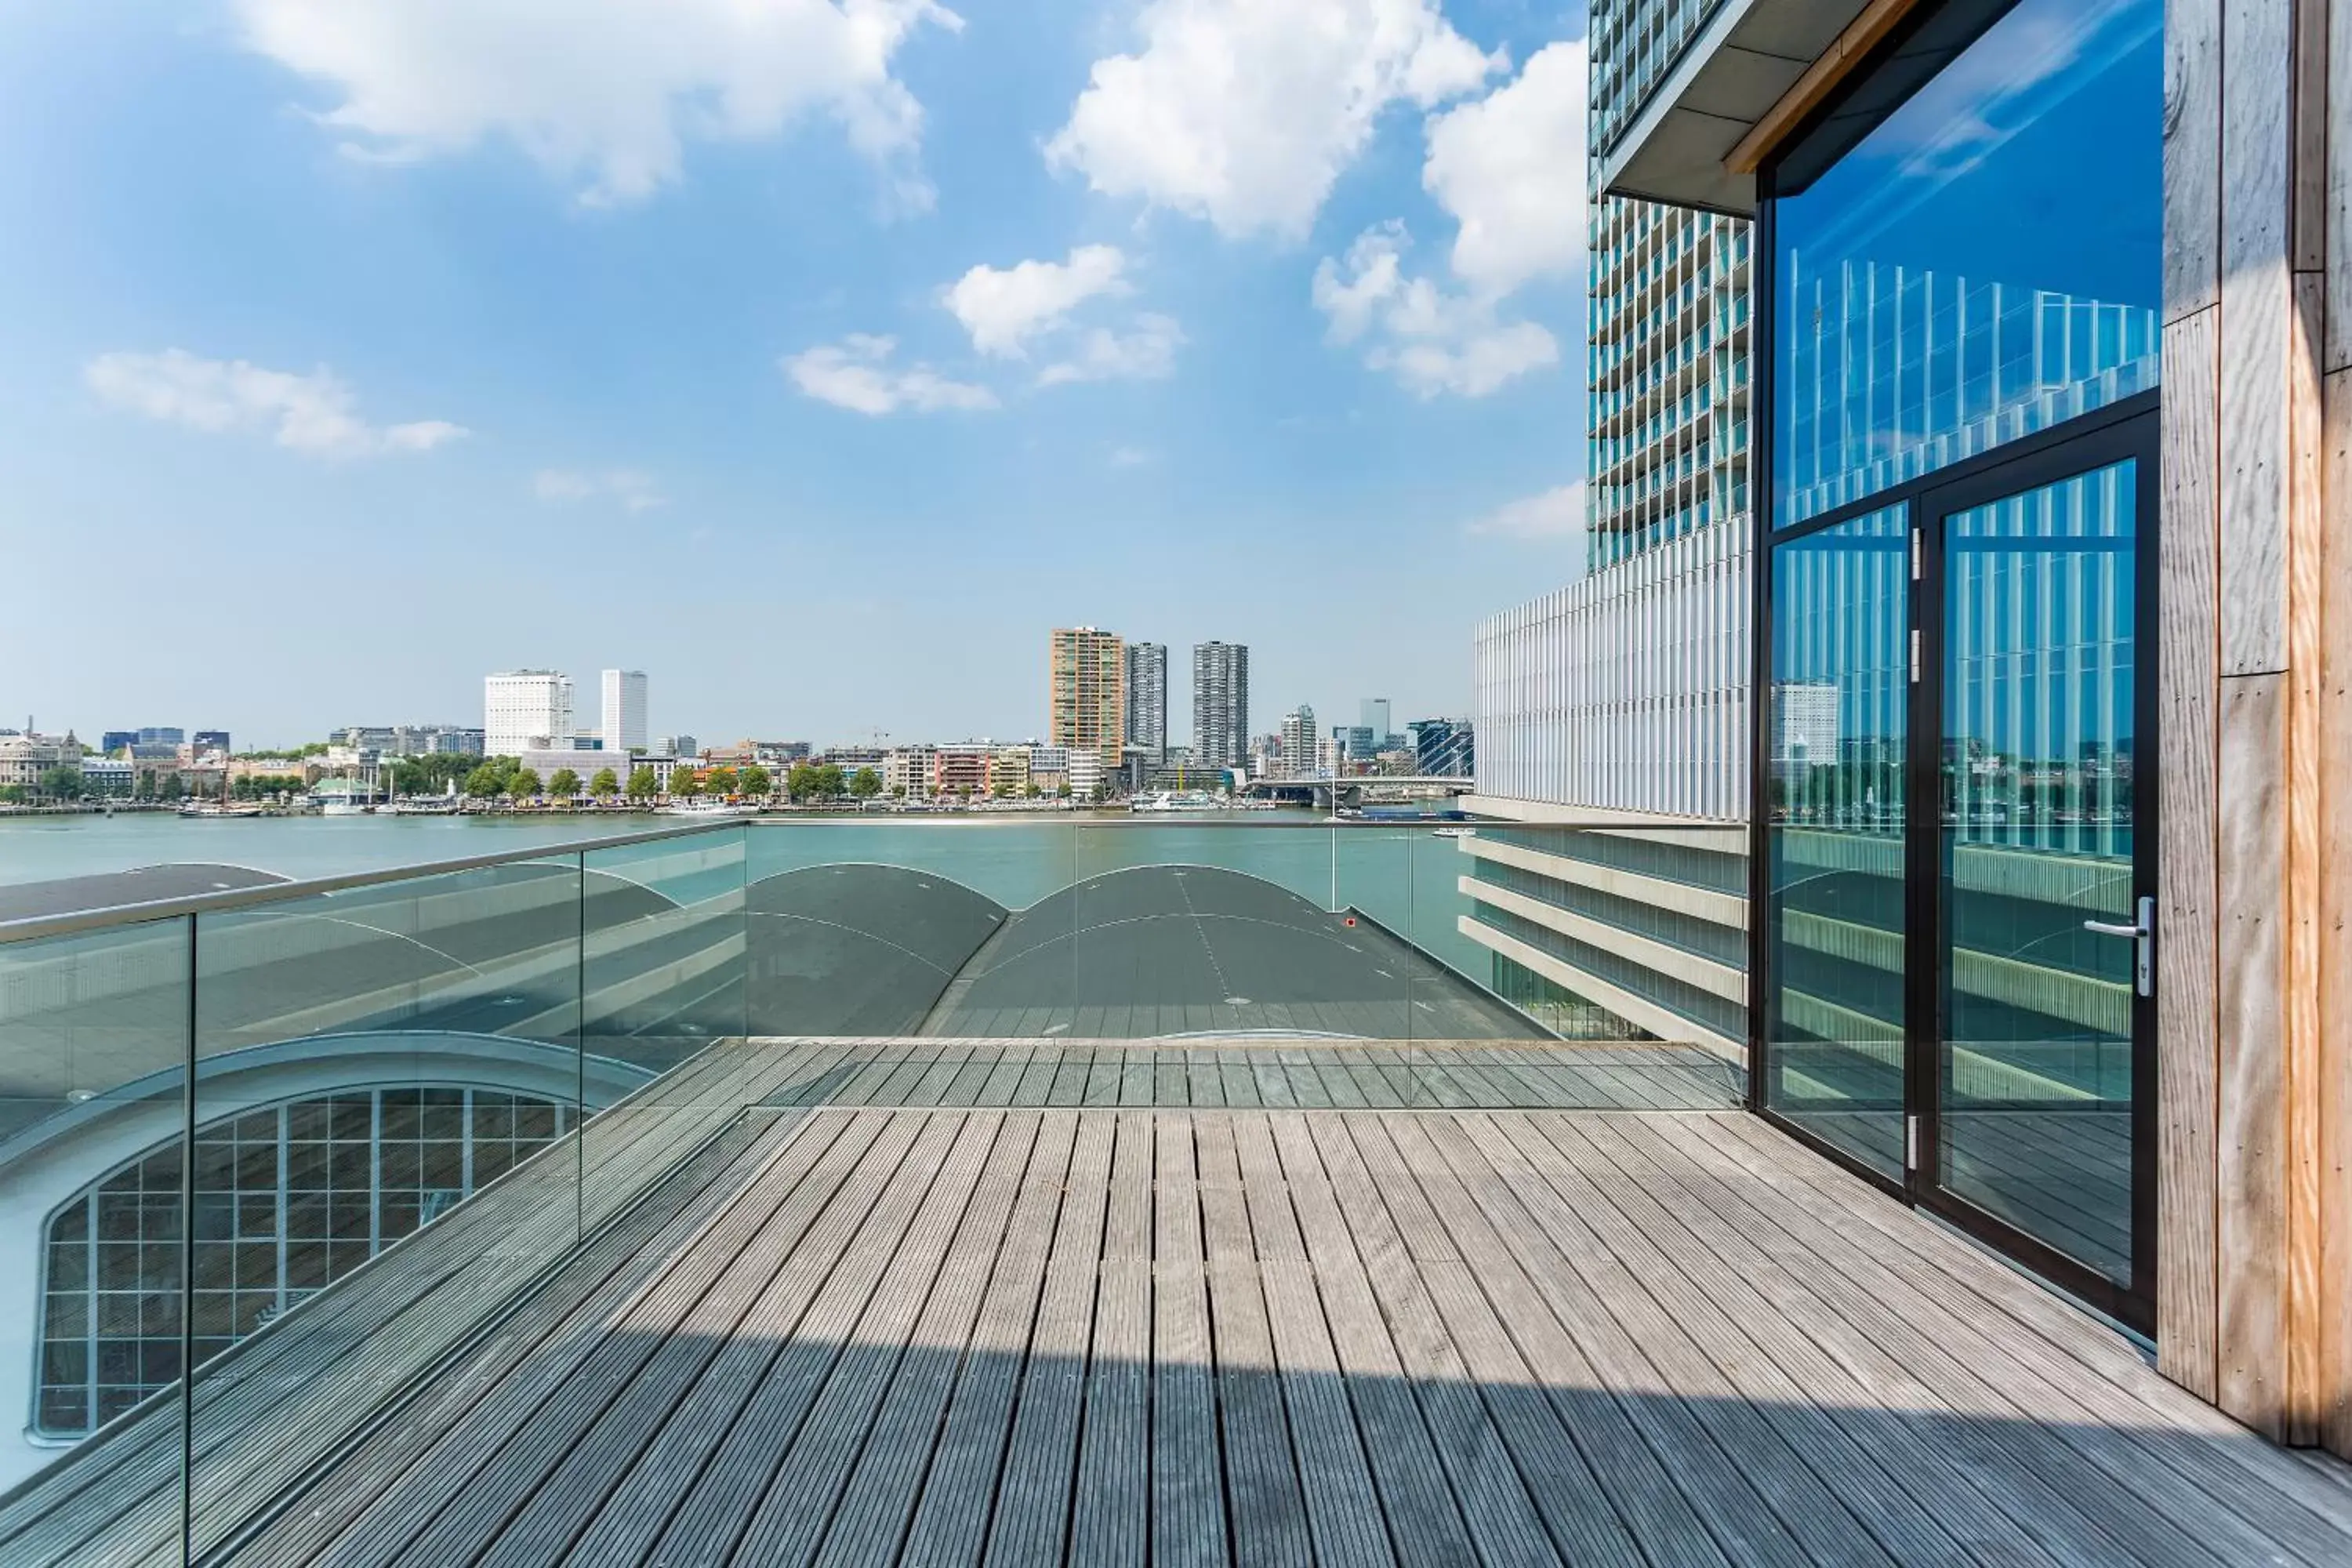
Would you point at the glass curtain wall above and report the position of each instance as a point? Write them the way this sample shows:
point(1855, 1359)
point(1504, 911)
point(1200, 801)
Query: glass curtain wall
point(1982, 262)
point(1963, 266)
point(1837, 808)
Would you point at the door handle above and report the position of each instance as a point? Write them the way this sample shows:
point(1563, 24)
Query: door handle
point(2142, 932)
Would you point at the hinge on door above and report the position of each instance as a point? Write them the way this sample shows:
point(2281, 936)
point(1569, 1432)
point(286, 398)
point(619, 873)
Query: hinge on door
point(1915, 655)
point(1911, 1143)
point(1915, 555)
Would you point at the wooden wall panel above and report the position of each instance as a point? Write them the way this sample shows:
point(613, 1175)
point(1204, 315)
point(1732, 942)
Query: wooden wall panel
point(2334, 1395)
point(2337, 258)
point(2251, 1211)
point(2300, 1070)
point(2192, 156)
point(2257, 44)
point(2186, 908)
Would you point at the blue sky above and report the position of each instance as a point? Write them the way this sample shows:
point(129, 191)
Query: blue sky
point(816, 358)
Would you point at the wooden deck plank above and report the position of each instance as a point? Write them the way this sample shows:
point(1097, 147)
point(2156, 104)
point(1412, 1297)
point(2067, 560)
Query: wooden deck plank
point(1033, 1498)
point(1188, 1510)
point(713, 1513)
point(1286, 1335)
point(975, 1183)
point(1445, 1474)
point(878, 1501)
point(1268, 1512)
point(1335, 1475)
point(1751, 1528)
point(950, 1521)
point(1469, 1357)
point(1470, 1268)
point(1111, 1523)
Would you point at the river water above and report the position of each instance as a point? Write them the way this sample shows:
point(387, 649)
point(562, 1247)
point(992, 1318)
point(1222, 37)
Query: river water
point(1401, 874)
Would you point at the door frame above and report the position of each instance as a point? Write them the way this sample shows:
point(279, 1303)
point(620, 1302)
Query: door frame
point(2078, 448)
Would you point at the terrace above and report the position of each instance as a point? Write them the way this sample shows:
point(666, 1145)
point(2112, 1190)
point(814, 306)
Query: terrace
point(722, 1194)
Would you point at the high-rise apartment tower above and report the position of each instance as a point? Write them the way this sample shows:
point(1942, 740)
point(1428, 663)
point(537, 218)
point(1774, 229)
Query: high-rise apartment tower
point(1086, 692)
point(1147, 699)
point(1220, 705)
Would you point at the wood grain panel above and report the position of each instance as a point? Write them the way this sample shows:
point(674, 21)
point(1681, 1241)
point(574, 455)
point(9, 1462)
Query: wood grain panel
point(2186, 908)
point(2258, 42)
point(2251, 1211)
point(2334, 1088)
point(2192, 156)
point(2301, 1003)
point(2336, 258)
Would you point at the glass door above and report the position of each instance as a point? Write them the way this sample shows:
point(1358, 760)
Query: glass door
point(2034, 1087)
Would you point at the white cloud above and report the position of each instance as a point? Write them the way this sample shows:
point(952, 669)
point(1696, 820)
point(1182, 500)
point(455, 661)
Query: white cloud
point(1557, 513)
point(1510, 168)
point(609, 92)
point(1003, 308)
point(1130, 456)
point(1243, 112)
point(312, 414)
point(1147, 353)
point(1434, 340)
point(634, 489)
point(855, 374)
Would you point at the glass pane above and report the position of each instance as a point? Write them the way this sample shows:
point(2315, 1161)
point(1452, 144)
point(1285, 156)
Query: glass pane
point(2039, 748)
point(1984, 263)
point(1841, 638)
point(387, 1080)
point(663, 1061)
point(93, 1056)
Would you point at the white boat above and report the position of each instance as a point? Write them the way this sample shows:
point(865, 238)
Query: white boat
point(707, 808)
point(1453, 832)
point(215, 808)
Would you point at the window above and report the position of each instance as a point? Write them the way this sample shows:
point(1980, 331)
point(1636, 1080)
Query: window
point(288, 1199)
point(1980, 263)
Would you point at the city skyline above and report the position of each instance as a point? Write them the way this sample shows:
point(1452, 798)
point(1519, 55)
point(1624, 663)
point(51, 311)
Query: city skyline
point(549, 385)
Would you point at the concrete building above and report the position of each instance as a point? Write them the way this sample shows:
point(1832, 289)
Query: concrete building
point(908, 772)
point(1087, 691)
point(205, 740)
point(1220, 705)
point(1008, 771)
point(623, 726)
point(526, 711)
point(1300, 757)
point(1146, 700)
point(961, 768)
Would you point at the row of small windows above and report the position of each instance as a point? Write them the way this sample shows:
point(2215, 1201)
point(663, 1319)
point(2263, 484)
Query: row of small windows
point(288, 1200)
point(1705, 1008)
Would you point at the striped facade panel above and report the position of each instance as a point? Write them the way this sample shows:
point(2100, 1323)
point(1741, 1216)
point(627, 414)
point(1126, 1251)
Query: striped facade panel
point(1628, 689)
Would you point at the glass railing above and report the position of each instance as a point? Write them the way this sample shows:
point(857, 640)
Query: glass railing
point(317, 1139)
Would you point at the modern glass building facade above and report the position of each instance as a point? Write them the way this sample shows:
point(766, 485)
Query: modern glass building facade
point(1959, 255)
point(1614, 711)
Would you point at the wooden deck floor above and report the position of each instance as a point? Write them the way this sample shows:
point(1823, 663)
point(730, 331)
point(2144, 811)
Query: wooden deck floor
point(952, 1335)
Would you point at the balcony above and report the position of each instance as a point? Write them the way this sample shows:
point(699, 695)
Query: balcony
point(859, 1192)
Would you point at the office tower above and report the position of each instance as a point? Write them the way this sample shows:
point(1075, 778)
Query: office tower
point(1147, 699)
point(1220, 705)
point(1086, 692)
point(162, 735)
point(1299, 743)
point(1442, 748)
point(526, 711)
point(1373, 713)
point(1358, 742)
point(1624, 695)
point(211, 740)
point(624, 726)
point(112, 742)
